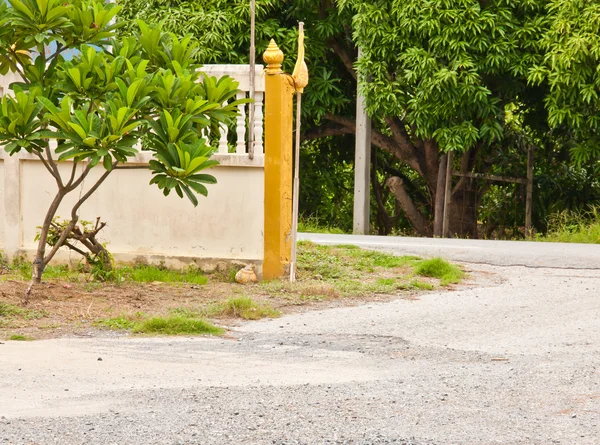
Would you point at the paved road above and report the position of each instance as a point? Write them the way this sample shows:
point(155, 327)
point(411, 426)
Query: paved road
point(511, 359)
point(500, 253)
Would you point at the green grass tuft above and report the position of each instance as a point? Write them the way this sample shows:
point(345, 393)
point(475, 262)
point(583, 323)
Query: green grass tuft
point(180, 322)
point(117, 323)
point(176, 325)
point(19, 337)
point(439, 268)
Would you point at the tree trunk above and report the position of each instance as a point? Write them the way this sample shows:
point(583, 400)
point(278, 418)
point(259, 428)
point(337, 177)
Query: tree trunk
point(440, 193)
point(414, 215)
point(38, 262)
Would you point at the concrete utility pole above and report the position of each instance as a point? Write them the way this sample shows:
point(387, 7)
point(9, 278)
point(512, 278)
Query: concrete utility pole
point(252, 78)
point(362, 168)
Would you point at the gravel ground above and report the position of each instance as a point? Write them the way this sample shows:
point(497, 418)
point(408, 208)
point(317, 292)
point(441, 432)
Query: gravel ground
point(512, 359)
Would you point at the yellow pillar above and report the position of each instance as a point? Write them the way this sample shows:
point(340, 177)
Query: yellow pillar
point(279, 93)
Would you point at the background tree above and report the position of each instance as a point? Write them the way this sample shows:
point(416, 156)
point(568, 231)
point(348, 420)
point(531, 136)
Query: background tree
point(97, 106)
point(446, 76)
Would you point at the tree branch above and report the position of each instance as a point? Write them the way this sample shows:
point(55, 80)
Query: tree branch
point(53, 164)
point(329, 129)
point(74, 216)
point(79, 180)
point(344, 55)
point(405, 144)
point(39, 155)
point(414, 215)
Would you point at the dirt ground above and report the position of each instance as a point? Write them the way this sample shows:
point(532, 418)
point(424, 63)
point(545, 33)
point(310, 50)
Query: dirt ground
point(62, 308)
point(71, 303)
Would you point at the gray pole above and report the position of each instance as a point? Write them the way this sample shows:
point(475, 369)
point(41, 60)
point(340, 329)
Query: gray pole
point(362, 168)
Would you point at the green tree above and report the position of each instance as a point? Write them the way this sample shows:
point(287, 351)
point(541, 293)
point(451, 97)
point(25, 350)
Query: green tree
point(97, 106)
point(569, 69)
point(442, 76)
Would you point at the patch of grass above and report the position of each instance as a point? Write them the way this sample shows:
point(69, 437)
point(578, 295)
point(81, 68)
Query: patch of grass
point(319, 260)
point(149, 274)
point(370, 258)
point(19, 337)
point(343, 246)
point(176, 325)
point(12, 311)
point(421, 285)
point(573, 227)
point(180, 322)
point(21, 266)
point(122, 322)
point(438, 268)
point(311, 224)
point(243, 307)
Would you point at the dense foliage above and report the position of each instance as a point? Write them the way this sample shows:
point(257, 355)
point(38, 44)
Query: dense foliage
point(486, 80)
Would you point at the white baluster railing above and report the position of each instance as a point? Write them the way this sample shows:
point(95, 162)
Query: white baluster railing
point(237, 134)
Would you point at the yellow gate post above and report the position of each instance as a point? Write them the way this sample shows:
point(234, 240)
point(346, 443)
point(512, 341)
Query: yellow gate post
point(279, 94)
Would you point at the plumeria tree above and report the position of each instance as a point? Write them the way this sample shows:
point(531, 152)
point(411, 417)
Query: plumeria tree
point(113, 98)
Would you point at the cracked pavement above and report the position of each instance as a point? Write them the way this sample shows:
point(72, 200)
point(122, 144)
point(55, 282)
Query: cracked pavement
point(511, 358)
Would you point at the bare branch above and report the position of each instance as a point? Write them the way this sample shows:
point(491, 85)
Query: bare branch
point(91, 191)
point(79, 180)
point(73, 171)
point(39, 155)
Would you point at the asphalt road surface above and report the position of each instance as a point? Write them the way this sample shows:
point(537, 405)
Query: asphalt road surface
point(513, 357)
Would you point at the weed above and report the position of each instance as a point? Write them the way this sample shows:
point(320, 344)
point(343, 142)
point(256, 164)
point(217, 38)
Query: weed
point(574, 227)
point(439, 268)
point(19, 337)
point(176, 325)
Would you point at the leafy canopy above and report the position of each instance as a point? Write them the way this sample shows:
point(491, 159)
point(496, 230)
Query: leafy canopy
point(446, 68)
point(113, 93)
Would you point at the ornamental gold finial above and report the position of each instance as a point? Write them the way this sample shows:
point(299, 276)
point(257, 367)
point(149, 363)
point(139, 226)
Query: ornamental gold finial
point(273, 57)
point(300, 74)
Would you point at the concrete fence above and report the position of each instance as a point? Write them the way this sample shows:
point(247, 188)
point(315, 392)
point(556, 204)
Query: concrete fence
point(141, 222)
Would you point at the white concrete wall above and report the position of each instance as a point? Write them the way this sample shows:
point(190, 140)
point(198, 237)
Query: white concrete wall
point(141, 222)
